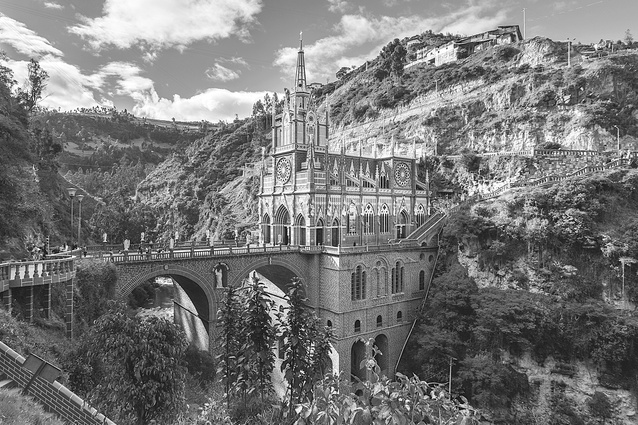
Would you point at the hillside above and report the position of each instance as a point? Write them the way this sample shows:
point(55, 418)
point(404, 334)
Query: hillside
point(211, 185)
point(507, 98)
point(535, 299)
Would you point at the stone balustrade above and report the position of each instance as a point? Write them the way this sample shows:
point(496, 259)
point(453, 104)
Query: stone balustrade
point(26, 273)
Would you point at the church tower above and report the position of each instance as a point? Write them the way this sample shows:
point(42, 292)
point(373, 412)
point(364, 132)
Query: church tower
point(298, 124)
point(357, 213)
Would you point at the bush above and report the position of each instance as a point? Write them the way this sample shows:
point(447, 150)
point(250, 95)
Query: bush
point(22, 410)
point(95, 283)
point(200, 364)
point(141, 296)
point(600, 406)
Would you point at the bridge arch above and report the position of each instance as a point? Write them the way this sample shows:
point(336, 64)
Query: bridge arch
point(273, 268)
point(199, 289)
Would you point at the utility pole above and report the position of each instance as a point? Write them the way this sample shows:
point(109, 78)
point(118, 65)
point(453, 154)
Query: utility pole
point(450, 379)
point(569, 53)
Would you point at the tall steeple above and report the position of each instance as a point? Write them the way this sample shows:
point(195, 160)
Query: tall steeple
point(300, 77)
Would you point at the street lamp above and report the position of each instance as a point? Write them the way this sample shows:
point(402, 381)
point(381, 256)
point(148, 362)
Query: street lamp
point(80, 197)
point(618, 137)
point(72, 192)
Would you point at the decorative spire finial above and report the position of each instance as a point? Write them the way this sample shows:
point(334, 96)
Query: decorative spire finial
point(300, 40)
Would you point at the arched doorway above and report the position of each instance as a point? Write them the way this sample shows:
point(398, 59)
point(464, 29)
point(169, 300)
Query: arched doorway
point(319, 232)
point(335, 232)
point(281, 226)
point(300, 230)
point(382, 357)
point(402, 224)
point(265, 228)
point(357, 355)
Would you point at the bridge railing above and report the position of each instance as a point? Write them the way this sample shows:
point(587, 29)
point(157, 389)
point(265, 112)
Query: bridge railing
point(23, 270)
point(132, 256)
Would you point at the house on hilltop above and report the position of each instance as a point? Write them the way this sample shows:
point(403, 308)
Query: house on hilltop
point(464, 47)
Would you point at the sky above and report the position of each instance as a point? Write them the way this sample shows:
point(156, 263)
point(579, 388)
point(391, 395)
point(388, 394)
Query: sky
point(212, 59)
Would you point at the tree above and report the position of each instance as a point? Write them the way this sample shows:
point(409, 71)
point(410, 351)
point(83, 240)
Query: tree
point(629, 39)
point(230, 338)
point(343, 71)
point(34, 86)
point(131, 367)
point(258, 358)
point(306, 348)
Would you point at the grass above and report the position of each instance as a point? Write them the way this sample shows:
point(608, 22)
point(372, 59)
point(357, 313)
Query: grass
point(16, 409)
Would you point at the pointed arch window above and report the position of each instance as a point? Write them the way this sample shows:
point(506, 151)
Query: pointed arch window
point(384, 219)
point(265, 230)
point(421, 280)
point(351, 219)
point(368, 220)
point(358, 284)
point(420, 215)
point(397, 278)
point(384, 183)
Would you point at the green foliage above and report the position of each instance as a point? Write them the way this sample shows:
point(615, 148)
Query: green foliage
point(230, 339)
point(142, 295)
point(258, 359)
point(95, 284)
point(18, 409)
point(200, 365)
point(306, 348)
point(132, 369)
point(600, 406)
point(491, 384)
point(31, 93)
point(380, 400)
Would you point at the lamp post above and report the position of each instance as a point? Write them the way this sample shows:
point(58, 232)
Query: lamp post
point(72, 192)
point(617, 137)
point(80, 197)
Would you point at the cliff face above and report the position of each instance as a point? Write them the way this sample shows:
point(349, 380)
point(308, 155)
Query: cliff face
point(211, 185)
point(507, 98)
point(541, 282)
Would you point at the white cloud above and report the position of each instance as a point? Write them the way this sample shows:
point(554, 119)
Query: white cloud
point(358, 38)
point(24, 40)
point(153, 24)
point(213, 104)
point(219, 72)
point(52, 5)
point(338, 6)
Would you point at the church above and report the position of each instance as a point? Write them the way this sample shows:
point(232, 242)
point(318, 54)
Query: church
point(360, 207)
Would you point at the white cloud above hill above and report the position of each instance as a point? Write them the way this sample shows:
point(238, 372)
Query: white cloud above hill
point(23, 40)
point(153, 24)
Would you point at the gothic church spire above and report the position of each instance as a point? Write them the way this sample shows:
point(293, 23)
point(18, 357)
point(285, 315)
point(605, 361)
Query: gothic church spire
point(300, 77)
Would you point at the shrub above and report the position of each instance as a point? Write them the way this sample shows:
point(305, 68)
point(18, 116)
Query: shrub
point(600, 406)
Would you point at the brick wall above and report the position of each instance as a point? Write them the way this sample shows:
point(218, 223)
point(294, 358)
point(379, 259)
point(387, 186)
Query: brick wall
point(53, 395)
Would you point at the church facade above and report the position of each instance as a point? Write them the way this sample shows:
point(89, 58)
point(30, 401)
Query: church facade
point(360, 206)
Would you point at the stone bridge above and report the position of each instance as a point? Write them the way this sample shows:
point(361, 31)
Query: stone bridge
point(30, 283)
point(201, 275)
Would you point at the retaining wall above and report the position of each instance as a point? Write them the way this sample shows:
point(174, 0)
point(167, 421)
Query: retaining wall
point(46, 389)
